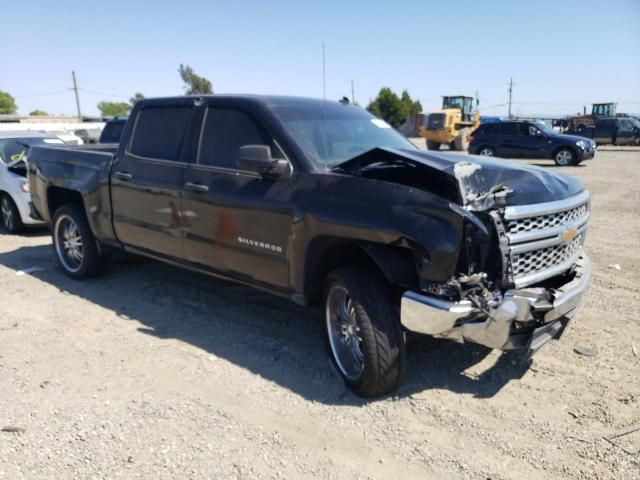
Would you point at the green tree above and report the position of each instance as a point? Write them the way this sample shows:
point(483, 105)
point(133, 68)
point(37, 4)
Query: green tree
point(393, 109)
point(136, 96)
point(7, 104)
point(113, 109)
point(194, 84)
point(39, 113)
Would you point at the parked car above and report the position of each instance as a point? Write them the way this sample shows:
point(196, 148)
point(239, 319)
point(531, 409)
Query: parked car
point(612, 131)
point(88, 135)
point(14, 187)
point(113, 130)
point(68, 138)
point(530, 140)
point(322, 203)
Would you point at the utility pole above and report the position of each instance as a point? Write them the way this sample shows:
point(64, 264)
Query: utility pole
point(510, 92)
point(353, 94)
point(324, 76)
point(477, 100)
point(75, 89)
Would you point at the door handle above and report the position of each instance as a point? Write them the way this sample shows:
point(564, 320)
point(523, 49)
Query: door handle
point(196, 187)
point(123, 176)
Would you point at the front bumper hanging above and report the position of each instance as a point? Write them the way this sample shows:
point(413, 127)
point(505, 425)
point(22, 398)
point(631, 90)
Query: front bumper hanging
point(524, 318)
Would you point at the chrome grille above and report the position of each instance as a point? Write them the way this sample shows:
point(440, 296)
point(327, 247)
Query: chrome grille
point(545, 239)
point(542, 259)
point(546, 221)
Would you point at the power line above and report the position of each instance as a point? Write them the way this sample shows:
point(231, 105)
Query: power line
point(104, 94)
point(42, 94)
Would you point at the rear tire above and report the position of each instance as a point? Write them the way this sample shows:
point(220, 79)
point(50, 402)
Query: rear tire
point(487, 151)
point(564, 157)
point(363, 332)
point(11, 219)
point(74, 245)
point(431, 145)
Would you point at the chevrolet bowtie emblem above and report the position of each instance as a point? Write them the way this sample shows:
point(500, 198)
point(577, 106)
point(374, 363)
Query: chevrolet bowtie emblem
point(569, 234)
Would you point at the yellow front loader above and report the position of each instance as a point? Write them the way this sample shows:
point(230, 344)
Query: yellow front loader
point(451, 125)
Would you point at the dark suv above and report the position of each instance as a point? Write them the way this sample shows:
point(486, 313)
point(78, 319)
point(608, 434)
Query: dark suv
point(530, 140)
point(113, 130)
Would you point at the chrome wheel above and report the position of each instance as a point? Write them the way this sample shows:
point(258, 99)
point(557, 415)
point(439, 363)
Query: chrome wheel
point(564, 157)
point(344, 332)
point(68, 241)
point(487, 152)
point(7, 214)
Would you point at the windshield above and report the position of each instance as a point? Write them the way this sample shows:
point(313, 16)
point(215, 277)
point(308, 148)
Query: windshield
point(16, 149)
point(336, 133)
point(544, 128)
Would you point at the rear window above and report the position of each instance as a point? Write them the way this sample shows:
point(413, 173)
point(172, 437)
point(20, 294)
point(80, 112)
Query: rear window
point(17, 149)
point(159, 132)
point(509, 128)
point(481, 130)
point(488, 129)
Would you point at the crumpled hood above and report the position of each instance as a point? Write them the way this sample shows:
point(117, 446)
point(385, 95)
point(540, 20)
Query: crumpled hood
point(471, 180)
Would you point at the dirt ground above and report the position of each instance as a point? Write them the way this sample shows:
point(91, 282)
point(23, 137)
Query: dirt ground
point(153, 372)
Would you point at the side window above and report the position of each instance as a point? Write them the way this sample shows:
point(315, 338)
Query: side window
point(509, 128)
point(225, 131)
point(626, 125)
point(159, 132)
point(492, 129)
point(481, 130)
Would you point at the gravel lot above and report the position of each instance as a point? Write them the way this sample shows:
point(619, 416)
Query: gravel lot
point(154, 372)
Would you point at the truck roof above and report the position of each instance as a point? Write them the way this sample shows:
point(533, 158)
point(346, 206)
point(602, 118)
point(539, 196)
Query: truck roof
point(267, 100)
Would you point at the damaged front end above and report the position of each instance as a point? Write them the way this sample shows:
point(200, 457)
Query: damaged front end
point(521, 271)
point(513, 319)
point(534, 276)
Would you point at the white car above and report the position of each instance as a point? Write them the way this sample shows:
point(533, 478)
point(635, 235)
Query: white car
point(14, 187)
point(68, 138)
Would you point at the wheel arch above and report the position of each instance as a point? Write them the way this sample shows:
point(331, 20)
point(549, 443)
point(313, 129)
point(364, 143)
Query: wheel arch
point(555, 151)
point(484, 145)
point(325, 254)
point(58, 196)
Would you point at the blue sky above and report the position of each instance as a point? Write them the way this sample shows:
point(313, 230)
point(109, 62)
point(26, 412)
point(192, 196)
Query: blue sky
point(561, 54)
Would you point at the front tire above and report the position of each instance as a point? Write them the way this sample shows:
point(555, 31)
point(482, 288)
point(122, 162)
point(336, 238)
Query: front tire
point(11, 219)
point(74, 245)
point(431, 145)
point(564, 157)
point(364, 336)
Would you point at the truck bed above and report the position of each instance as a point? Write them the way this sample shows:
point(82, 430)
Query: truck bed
point(84, 169)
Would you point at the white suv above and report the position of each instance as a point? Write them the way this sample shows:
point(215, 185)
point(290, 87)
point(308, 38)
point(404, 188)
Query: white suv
point(14, 187)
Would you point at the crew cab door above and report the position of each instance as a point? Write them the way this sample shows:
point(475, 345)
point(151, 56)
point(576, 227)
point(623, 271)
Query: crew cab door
point(509, 140)
point(605, 131)
point(626, 132)
point(237, 223)
point(147, 179)
point(532, 143)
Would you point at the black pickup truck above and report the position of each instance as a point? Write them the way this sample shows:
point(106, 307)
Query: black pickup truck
point(611, 131)
point(324, 204)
